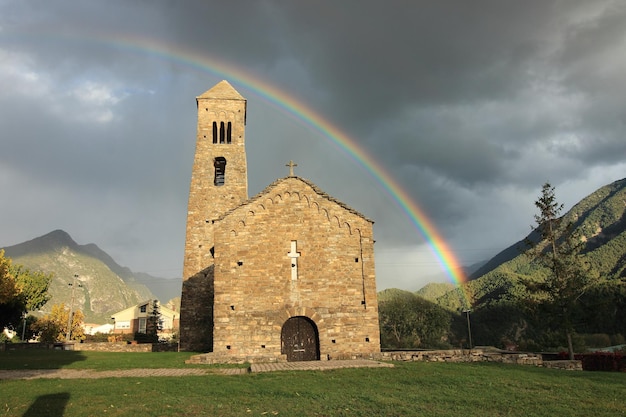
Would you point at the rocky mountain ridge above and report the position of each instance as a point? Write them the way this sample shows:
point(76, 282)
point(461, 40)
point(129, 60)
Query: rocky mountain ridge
point(98, 285)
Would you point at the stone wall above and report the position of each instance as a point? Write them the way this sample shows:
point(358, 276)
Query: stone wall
point(480, 355)
point(98, 346)
point(196, 312)
point(258, 287)
point(27, 346)
point(465, 355)
point(564, 364)
point(112, 347)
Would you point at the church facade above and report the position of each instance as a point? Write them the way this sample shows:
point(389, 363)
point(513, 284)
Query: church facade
point(285, 275)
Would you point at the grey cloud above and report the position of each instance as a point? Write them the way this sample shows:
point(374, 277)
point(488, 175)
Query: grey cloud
point(470, 106)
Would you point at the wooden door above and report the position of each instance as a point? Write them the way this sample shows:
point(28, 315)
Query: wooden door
point(300, 340)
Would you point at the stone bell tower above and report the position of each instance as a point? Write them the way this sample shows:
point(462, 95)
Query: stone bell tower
point(219, 182)
point(219, 179)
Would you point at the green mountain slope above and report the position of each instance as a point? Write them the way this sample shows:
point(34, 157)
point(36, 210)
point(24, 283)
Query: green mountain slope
point(495, 291)
point(392, 293)
point(434, 290)
point(102, 286)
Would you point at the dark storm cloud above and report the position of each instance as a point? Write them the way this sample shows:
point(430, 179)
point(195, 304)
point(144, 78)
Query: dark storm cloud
point(471, 106)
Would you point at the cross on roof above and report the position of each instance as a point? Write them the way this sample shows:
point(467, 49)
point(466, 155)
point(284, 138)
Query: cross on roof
point(291, 165)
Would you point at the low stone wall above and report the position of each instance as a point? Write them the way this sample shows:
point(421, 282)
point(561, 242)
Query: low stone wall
point(126, 347)
point(465, 355)
point(27, 346)
point(113, 347)
point(482, 355)
point(566, 365)
point(96, 346)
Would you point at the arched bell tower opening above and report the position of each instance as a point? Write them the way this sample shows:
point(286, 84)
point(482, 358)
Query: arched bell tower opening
point(220, 171)
point(219, 182)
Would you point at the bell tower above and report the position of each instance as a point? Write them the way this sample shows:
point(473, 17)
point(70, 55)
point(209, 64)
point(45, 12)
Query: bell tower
point(219, 179)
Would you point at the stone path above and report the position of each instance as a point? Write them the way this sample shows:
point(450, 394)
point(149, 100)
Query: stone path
point(174, 372)
point(92, 374)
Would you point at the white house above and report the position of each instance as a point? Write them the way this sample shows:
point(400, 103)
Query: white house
point(135, 319)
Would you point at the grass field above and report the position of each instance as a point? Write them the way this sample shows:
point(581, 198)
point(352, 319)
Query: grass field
point(101, 361)
point(409, 389)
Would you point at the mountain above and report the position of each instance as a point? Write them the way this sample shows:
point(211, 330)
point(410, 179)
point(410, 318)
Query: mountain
point(495, 290)
point(433, 291)
point(165, 289)
point(391, 293)
point(506, 255)
point(102, 286)
point(501, 313)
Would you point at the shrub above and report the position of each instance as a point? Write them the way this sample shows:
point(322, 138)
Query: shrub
point(600, 361)
point(597, 340)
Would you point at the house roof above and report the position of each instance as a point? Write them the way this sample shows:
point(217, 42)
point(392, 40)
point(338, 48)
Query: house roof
point(163, 309)
point(223, 91)
point(279, 181)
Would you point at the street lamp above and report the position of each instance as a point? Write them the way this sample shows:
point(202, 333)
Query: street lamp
point(69, 320)
point(469, 328)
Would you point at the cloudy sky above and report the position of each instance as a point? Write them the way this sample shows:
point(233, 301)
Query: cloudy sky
point(469, 106)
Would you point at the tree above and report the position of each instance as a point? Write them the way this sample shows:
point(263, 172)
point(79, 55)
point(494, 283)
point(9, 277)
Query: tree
point(154, 323)
point(33, 286)
point(20, 291)
point(10, 306)
point(53, 326)
point(558, 250)
point(409, 321)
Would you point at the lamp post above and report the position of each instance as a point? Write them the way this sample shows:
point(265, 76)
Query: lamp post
point(69, 320)
point(469, 328)
point(24, 327)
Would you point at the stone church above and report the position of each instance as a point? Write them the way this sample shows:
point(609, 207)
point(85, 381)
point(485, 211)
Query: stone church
point(285, 275)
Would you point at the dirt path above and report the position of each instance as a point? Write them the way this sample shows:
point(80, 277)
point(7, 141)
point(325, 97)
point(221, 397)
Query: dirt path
point(174, 372)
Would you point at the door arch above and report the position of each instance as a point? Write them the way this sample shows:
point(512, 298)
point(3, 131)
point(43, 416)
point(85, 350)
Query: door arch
point(299, 340)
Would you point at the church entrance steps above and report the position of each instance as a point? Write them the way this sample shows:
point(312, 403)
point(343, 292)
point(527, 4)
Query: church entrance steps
point(317, 365)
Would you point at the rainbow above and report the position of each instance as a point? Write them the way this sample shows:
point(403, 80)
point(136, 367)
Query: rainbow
point(310, 117)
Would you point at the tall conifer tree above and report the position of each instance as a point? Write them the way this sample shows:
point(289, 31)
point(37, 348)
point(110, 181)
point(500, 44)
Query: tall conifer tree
point(559, 250)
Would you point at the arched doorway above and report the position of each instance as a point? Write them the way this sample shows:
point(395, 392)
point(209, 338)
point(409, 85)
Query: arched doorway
point(299, 340)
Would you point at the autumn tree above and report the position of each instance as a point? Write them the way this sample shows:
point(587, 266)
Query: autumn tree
point(559, 251)
point(21, 291)
point(53, 327)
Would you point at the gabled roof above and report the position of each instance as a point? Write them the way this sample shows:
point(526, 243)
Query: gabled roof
point(223, 91)
point(314, 187)
point(163, 309)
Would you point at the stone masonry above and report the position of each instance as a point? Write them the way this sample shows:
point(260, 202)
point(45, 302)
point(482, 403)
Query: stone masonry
point(256, 289)
point(220, 134)
point(217, 107)
point(284, 275)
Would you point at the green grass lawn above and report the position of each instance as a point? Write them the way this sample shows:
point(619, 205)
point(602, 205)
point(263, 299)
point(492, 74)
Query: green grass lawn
point(101, 361)
point(409, 389)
